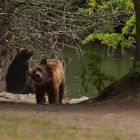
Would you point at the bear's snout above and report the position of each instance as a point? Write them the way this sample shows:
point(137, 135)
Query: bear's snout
point(38, 75)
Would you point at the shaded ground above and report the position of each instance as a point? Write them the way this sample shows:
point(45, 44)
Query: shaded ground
point(110, 120)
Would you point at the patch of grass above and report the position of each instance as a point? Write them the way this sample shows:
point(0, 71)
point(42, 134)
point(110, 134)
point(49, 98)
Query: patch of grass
point(23, 128)
point(109, 135)
point(28, 129)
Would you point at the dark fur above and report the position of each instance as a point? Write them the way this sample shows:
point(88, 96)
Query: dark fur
point(30, 88)
point(48, 77)
point(17, 80)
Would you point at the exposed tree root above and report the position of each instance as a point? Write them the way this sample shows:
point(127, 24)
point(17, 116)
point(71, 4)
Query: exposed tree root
point(126, 86)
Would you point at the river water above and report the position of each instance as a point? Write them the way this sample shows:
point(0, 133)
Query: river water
point(116, 66)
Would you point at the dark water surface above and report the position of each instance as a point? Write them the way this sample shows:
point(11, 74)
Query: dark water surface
point(115, 66)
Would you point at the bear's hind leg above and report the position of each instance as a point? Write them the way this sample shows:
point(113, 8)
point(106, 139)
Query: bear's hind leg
point(53, 95)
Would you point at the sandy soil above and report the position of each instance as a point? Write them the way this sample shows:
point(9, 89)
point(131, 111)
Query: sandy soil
point(122, 116)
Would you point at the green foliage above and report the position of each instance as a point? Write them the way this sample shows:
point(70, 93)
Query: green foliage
point(112, 40)
point(92, 75)
point(110, 5)
point(130, 26)
point(118, 13)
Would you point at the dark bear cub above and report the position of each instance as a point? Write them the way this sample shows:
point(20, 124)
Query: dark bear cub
point(48, 77)
point(17, 79)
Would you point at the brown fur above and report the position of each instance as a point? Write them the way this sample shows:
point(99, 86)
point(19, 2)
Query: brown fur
point(48, 77)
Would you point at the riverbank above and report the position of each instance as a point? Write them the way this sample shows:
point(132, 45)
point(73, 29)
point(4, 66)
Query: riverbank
point(108, 120)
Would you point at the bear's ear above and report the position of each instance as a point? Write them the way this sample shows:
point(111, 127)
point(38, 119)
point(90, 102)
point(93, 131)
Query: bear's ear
point(18, 49)
point(43, 61)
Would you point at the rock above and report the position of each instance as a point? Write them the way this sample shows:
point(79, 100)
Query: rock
point(78, 100)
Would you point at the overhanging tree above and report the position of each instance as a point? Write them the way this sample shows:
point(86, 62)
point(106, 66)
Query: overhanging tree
point(129, 84)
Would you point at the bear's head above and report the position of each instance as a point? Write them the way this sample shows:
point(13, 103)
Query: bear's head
point(40, 74)
point(24, 55)
point(43, 73)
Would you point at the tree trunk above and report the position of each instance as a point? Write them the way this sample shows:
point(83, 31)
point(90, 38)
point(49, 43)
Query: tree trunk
point(5, 10)
point(1, 42)
point(137, 13)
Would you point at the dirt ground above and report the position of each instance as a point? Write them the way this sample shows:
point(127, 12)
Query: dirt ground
point(121, 116)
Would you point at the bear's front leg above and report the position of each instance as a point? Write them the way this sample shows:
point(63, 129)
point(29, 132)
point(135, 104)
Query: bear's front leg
point(61, 92)
point(40, 95)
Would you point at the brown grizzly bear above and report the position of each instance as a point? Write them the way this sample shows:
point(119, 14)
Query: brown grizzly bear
point(48, 77)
